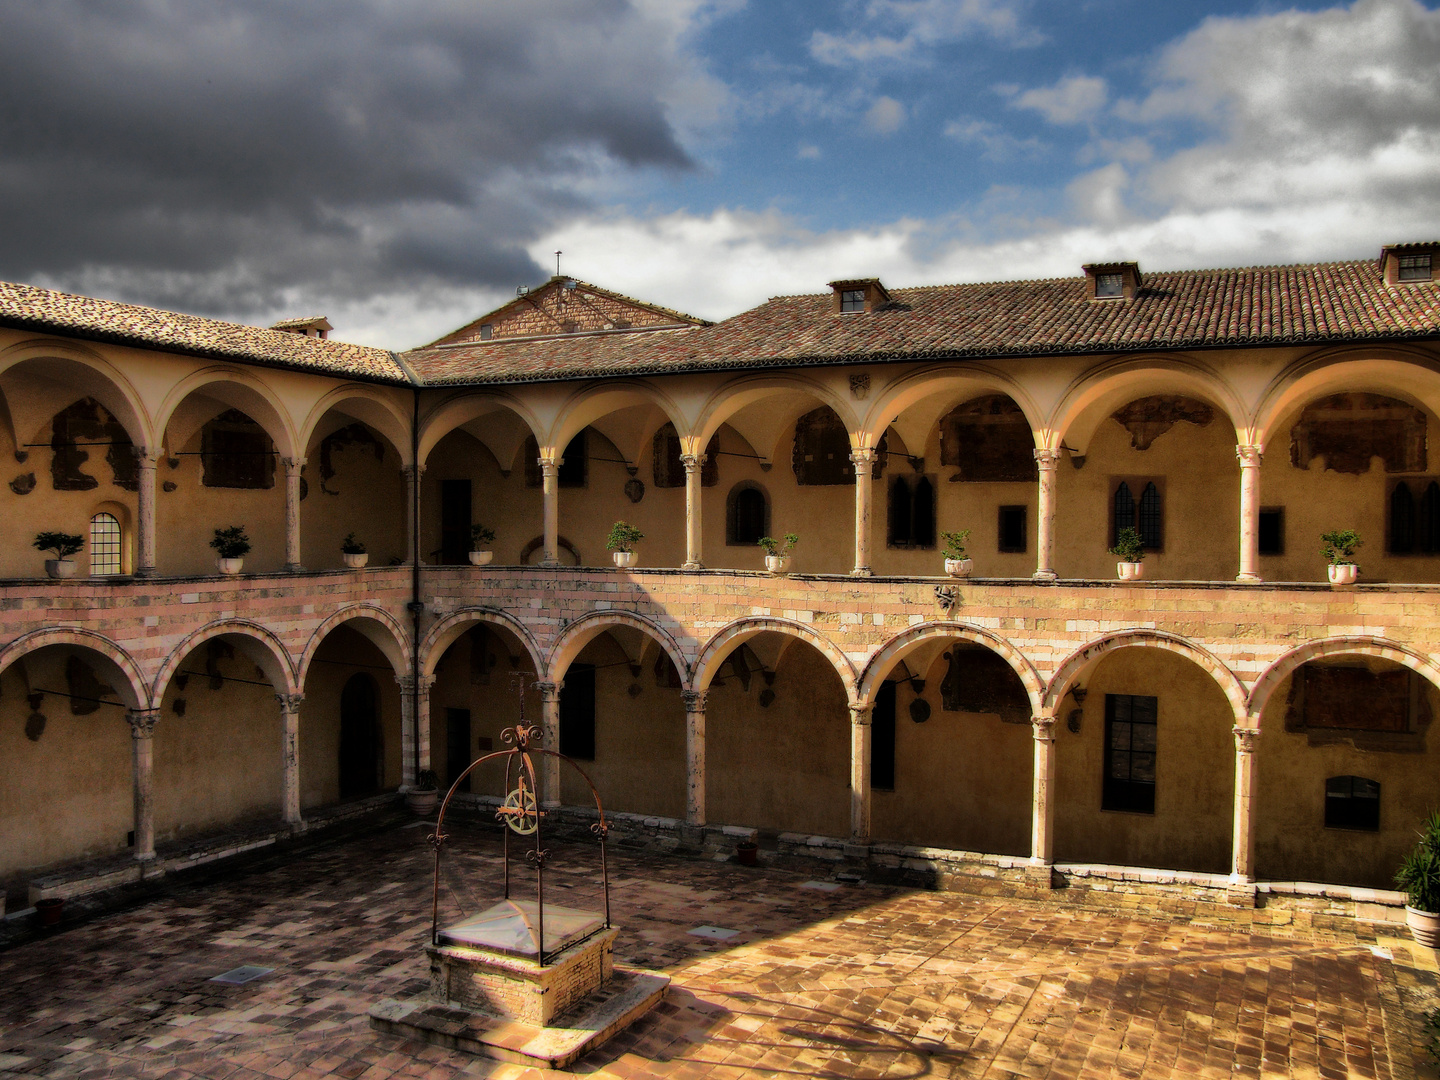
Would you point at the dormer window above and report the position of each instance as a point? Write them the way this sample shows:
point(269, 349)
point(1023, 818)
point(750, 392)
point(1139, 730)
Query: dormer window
point(859, 295)
point(1414, 268)
point(1112, 281)
point(1109, 286)
point(852, 300)
point(1408, 264)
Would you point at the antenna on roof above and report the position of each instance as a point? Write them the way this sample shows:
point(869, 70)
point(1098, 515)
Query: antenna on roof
point(557, 263)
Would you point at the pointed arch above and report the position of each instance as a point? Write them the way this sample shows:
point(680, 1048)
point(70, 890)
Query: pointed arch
point(900, 646)
point(448, 630)
point(375, 624)
point(1085, 657)
point(132, 688)
point(239, 389)
point(255, 641)
point(585, 629)
point(457, 411)
point(1350, 645)
point(370, 406)
point(736, 633)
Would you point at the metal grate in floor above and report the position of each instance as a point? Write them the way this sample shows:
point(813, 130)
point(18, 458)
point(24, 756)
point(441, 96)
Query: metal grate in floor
point(241, 975)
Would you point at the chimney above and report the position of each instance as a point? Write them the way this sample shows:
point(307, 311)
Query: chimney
point(316, 326)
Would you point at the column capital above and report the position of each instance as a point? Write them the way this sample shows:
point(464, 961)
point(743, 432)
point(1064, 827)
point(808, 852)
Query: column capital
point(289, 702)
point(408, 683)
point(1044, 728)
point(550, 691)
point(860, 714)
point(1047, 459)
point(549, 466)
point(293, 464)
point(412, 473)
point(866, 455)
point(142, 722)
point(1245, 739)
point(148, 459)
point(1249, 457)
point(692, 462)
point(694, 700)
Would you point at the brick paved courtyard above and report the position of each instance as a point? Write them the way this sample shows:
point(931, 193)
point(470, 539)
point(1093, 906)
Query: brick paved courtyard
point(848, 981)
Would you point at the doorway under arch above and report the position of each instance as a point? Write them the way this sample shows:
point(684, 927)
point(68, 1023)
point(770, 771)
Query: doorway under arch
point(360, 735)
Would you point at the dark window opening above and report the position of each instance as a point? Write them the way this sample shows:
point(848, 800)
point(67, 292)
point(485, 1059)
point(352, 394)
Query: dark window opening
point(822, 450)
point(1130, 729)
point(1272, 530)
point(236, 452)
point(747, 515)
point(1012, 530)
point(88, 422)
point(487, 331)
point(882, 739)
point(1413, 524)
point(1350, 430)
point(852, 300)
point(359, 736)
point(1414, 268)
point(670, 470)
point(1352, 697)
point(1145, 514)
point(1109, 286)
point(989, 441)
point(577, 712)
point(574, 465)
point(457, 746)
point(911, 515)
point(1352, 802)
point(455, 520)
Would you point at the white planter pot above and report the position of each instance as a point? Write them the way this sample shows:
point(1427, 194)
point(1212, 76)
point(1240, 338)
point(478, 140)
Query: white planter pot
point(229, 566)
point(1343, 574)
point(60, 568)
point(959, 567)
point(624, 559)
point(777, 564)
point(355, 559)
point(481, 558)
point(1424, 926)
point(1130, 571)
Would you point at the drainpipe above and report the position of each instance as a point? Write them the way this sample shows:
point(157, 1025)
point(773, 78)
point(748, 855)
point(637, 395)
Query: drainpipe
point(416, 607)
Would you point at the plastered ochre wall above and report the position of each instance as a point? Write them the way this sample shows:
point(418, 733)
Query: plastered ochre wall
point(368, 499)
point(1291, 841)
point(1194, 773)
point(343, 654)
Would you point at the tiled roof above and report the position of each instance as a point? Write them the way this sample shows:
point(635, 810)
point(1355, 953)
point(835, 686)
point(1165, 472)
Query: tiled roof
point(28, 307)
point(1267, 305)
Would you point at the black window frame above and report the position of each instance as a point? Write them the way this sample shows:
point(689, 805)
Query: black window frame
point(1352, 803)
point(732, 514)
point(852, 301)
point(1415, 267)
point(1147, 510)
point(1275, 515)
point(910, 521)
point(1013, 511)
point(1127, 794)
point(1109, 286)
point(1412, 516)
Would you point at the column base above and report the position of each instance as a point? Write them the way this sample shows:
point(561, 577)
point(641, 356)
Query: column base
point(294, 568)
point(550, 564)
point(1044, 575)
point(1040, 876)
point(145, 571)
point(1241, 894)
point(1251, 579)
point(692, 566)
point(861, 571)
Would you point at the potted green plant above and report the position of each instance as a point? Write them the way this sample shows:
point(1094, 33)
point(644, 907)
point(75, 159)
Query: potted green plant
point(957, 563)
point(63, 545)
point(1338, 547)
point(231, 546)
point(480, 540)
point(424, 794)
point(1131, 553)
point(777, 552)
point(353, 551)
point(1419, 876)
point(622, 540)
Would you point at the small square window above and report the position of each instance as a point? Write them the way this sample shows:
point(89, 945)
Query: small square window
point(486, 331)
point(1352, 802)
point(1414, 268)
point(852, 300)
point(1272, 530)
point(1012, 528)
point(1109, 286)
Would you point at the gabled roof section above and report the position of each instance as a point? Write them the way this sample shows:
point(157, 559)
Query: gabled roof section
point(44, 310)
point(566, 305)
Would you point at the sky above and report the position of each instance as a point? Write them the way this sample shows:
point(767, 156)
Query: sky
point(403, 167)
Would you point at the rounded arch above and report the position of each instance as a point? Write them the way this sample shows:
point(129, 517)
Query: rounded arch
point(728, 637)
point(255, 641)
point(1408, 374)
point(129, 682)
point(589, 403)
point(1357, 645)
point(239, 389)
point(368, 405)
point(900, 646)
point(448, 630)
point(591, 625)
point(943, 388)
point(1103, 389)
point(375, 624)
point(93, 375)
point(731, 397)
point(747, 513)
point(1085, 657)
point(460, 410)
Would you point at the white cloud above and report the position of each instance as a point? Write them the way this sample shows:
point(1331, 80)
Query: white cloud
point(808, 152)
point(922, 24)
point(1072, 100)
point(995, 142)
point(886, 116)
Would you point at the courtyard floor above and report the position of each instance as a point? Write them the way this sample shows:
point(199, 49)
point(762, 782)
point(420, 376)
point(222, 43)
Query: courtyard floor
point(835, 981)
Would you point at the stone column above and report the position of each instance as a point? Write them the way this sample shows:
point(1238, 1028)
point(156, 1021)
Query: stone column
point(414, 729)
point(550, 492)
point(692, 463)
point(142, 745)
point(412, 474)
point(549, 767)
point(1045, 462)
point(292, 513)
point(1042, 804)
point(145, 514)
point(860, 773)
point(1242, 837)
point(694, 756)
point(864, 461)
point(1249, 458)
point(290, 752)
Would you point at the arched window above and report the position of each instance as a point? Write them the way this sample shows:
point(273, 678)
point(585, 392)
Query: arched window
point(105, 542)
point(1402, 520)
point(1124, 516)
point(747, 514)
point(1151, 519)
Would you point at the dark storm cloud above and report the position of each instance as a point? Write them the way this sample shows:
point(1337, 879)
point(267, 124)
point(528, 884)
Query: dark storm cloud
point(209, 155)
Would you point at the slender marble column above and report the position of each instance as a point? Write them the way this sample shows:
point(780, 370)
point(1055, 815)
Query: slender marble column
point(1249, 458)
point(1242, 863)
point(145, 514)
point(864, 461)
point(1042, 804)
point(292, 513)
point(413, 475)
point(860, 773)
point(694, 756)
point(549, 770)
point(290, 751)
point(142, 745)
point(414, 728)
point(550, 474)
point(693, 464)
point(1046, 461)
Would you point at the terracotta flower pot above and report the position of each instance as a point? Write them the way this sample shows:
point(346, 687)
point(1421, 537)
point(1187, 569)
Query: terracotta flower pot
point(777, 564)
point(50, 910)
point(481, 558)
point(747, 854)
point(422, 802)
point(229, 566)
point(1130, 571)
point(355, 559)
point(1343, 573)
point(60, 568)
point(624, 559)
point(959, 567)
point(1424, 926)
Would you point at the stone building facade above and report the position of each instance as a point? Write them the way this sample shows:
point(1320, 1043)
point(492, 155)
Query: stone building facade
point(1231, 718)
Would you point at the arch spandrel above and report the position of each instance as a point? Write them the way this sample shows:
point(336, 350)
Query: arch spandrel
point(458, 411)
point(592, 403)
point(918, 637)
point(375, 624)
point(449, 629)
point(88, 374)
point(259, 645)
point(927, 395)
point(236, 388)
point(1355, 645)
point(1407, 374)
point(1087, 656)
point(128, 680)
point(730, 637)
point(725, 402)
point(364, 404)
point(585, 629)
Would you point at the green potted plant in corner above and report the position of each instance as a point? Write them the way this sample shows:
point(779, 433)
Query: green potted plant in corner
point(63, 545)
point(353, 550)
point(480, 540)
point(622, 540)
point(1131, 553)
point(422, 797)
point(957, 563)
point(231, 546)
point(777, 552)
point(1338, 547)
point(1419, 876)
